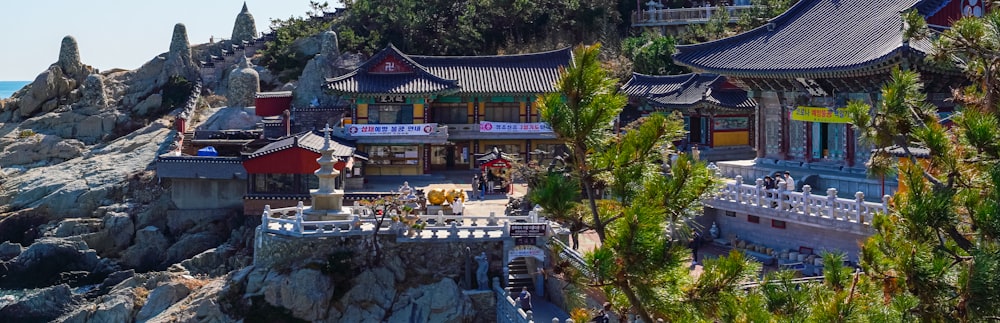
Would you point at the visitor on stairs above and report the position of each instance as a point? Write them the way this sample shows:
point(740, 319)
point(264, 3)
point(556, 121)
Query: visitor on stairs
point(525, 299)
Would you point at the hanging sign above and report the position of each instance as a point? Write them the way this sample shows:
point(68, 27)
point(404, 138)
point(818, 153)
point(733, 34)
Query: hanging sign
point(366, 130)
point(528, 229)
point(820, 114)
point(526, 251)
point(509, 127)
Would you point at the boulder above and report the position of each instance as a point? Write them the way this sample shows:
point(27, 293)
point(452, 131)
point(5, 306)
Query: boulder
point(162, 298)
point(116, 307)
point(40, 147)
point(306, 293)
point(149, 249)
point(192, 244)
point(9, 250)
point(40, 306)
point(438, 302)
point(148, 105)
point(75, 227)
point(41, 262)
point(200, 306)
point(211, 262)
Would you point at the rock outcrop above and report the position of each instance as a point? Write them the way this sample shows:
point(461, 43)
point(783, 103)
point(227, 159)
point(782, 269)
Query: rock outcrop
point(42, 305)
point(43, 262)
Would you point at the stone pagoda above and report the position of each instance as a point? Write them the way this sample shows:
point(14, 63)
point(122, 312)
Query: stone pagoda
point(327, 200)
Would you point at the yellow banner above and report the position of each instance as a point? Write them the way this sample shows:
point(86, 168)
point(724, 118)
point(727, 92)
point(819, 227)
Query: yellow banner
point(820, 114)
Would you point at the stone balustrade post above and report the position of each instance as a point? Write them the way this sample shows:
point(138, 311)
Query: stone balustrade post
point(439, 219)
point(807, 199)
point(265, 215)
point(453, 231)
point(298, 220)
point(356, 222)
point(885, 203)
point(570, 321)
point(759, 190)
point(529, 315)
point(739, 189)
point(831, 202)
point(859, 197)
point(493, 219)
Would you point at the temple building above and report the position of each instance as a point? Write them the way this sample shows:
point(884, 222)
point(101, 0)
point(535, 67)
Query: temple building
point(804, 66)
point(413, 114)
point(717, 115)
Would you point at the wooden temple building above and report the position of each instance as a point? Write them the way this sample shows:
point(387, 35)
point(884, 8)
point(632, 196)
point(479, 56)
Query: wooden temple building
point(413, 114)
point(805, 65)
point(717, 115)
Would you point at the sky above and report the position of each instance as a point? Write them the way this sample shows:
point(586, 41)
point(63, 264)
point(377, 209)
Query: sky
point(118, 33)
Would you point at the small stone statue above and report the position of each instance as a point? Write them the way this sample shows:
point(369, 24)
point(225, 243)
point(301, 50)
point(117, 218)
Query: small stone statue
point(484, 283)
point(714, 231)
point(405, 189)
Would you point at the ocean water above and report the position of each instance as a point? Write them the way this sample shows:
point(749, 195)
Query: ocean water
point(9, 87)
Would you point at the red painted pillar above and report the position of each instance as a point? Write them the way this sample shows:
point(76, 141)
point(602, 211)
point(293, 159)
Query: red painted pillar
point(809, 141)
point(849, 138)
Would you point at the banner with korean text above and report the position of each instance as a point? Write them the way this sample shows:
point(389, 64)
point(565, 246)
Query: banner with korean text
point(820, 114)
point(510, 127)
point(366, 130)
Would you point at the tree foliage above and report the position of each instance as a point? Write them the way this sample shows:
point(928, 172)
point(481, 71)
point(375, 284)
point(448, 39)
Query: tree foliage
point(475, 27)
point(650, 54)
point(281, 55)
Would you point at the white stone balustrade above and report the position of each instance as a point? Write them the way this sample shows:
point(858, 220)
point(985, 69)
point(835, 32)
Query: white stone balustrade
point(804, 207)
point(290, 222)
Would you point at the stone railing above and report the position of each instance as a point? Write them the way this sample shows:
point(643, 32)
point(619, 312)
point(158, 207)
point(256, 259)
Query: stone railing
point(684, 16)
point(291, 222)
point(574, 257)
point(508, 310)
point(800, 207)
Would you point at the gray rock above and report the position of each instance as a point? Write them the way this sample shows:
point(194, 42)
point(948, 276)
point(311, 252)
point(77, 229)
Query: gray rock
point(162, 298)
point(305, 292)
point(192, 244)
point(43, 305)
point(149, 249)
point(40, 147)
point(211, 262)
point(76, 226)
point(117, 307)
point(46, 258)
point(200, 306)
point(47, 87)
point(150, 104)
point(244, 28)
point(9, 250)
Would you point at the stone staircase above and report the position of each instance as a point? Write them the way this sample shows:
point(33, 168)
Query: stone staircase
point(187, 148)
point(519, 276)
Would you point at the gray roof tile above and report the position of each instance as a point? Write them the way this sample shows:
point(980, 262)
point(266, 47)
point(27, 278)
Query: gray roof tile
point(812, 37)
point(309, 141)
point(687, 90)
point(524, 73)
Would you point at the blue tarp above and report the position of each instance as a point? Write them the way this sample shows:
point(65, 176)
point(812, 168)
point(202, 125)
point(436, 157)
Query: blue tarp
point(208, 151)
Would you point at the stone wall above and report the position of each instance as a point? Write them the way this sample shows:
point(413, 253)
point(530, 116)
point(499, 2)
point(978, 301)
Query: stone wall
point(441, 259)
point(791, 237)
point(207, 193)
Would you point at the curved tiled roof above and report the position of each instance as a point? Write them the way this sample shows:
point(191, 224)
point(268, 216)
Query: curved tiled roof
point(310, 141)
point(524, 73)
point(686, 90)
point(814, 37)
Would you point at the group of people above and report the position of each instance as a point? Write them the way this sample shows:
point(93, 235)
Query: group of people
point(484, 183)
point(781, 182)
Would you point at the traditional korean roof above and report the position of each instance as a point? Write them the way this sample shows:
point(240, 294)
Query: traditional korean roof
point(815, 38)
point(687, 90)
point(268, 95)
point(310, 141)
point(499, 74)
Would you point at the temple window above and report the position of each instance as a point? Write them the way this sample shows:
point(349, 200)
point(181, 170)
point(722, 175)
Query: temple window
point(451, 114)
point(390, 114)
point(503, 113)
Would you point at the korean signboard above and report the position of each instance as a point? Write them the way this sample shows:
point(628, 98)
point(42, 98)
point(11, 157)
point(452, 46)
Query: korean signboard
point(528, 229)
point(366, 130)
point(820, 114)
point(508, 127)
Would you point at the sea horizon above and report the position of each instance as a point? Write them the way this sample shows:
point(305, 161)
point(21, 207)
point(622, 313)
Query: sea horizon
point(7, 88)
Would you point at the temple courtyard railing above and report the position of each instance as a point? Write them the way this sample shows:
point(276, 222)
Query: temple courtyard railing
point(291, 221)
point(684, 16)
point(826, 211)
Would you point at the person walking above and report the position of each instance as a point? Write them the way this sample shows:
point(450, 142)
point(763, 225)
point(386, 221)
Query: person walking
point(695, 244)
point(482, 188)
point(789, 181)
point(524, 299)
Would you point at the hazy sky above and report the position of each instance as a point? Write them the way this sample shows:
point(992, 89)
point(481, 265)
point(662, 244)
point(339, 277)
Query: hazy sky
point(117, 33)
